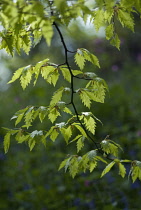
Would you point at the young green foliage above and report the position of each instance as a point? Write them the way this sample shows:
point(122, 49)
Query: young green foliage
point(94, 91)
point(88, 121)
point(135, 171)
point(110, 147)
point(82, 55)
point(122, 170)
point(7, 138)
point(79, 164)
point(24, 23)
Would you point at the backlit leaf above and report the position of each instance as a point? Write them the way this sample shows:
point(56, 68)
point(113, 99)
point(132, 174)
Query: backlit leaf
point(98, 19)
point(63, 163)
point(66, 73)
point(92, 165)
point(92, 154)
point(108, 168)
point(85, 98)
point(126, 19)
point(6, 142)
point(115, 41)
point(31, 143)
point(53, 114)
point(57, 96)
point(47, 31)
point(80, 144)
point(122, 170)
point(80, 129)
point(109, 31)
point(79, 59)
point(54, 134)
point(16, 75)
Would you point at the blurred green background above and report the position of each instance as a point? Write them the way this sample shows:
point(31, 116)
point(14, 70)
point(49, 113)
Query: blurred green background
point(31, 180)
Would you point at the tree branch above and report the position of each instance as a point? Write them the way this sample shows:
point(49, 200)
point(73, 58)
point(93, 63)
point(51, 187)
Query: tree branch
point(72, 86)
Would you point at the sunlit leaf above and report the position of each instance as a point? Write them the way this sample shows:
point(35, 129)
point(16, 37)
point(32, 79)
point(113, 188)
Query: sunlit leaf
point(6, 142)
point(108, 168)
point(122, 170)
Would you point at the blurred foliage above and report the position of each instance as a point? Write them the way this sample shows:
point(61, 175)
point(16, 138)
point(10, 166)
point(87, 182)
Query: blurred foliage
point(31, 180)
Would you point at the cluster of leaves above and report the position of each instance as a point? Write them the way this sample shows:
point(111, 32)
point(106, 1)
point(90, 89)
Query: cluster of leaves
point(90, 160)
point(24, 24)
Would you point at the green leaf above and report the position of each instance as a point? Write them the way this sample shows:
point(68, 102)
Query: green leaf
point(122, 170)
point(108, 14)
point(76, 138)
point(84, 163)
point(43, 111)
point(53, 114)
point(57, 96)
point(7, 43)
point(29, 116)
point(6, 142)
point(37, 36)
point(79, 59)
point(115, 41)
point(80, 143)
point(126, 161)
point(82, 55)
point(101, 159)
point(108, 168)
point(26, 42)
point(67, 163)
point(67, 133)
point(26, 76)
point(66, 73)
point(90, 57)
point(67, 110)
point(73, 167)
point(84, 97)
point(90, 124)
point(53, 78)
point(109, 31)
point(92, 166)
point(19, 118)
point(109, 148)
point(63, 163)
point(16, 75)
point(44, 67)
point(137, 4)
point(117, 145)
point(19, 115)
point(44, 141)
point(80, 129)
point(54, 134)
point(135, 173)
point(98, 19)
point(31, 143)
point(96, 89)
point(47, 31)
point(20, 138)
point(92, 154)
point(76, 72)
point(126, 19)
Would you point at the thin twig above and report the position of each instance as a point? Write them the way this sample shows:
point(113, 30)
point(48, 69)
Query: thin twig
point(72, 86)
